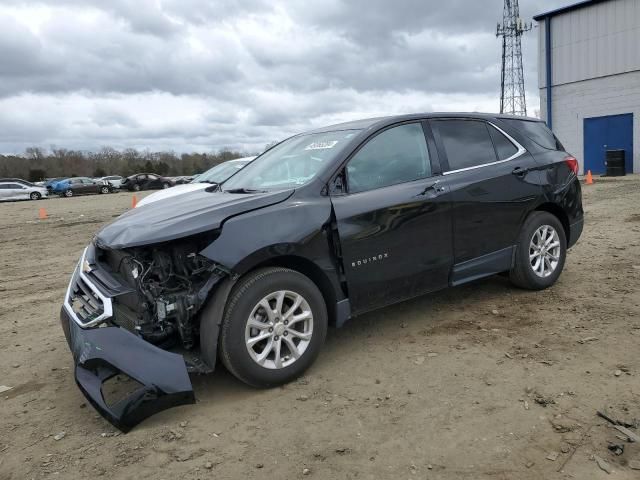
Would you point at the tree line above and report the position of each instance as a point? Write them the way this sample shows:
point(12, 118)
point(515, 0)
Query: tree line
point(36, 164)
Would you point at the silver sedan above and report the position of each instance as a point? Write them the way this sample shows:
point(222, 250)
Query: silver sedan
point(19, 191)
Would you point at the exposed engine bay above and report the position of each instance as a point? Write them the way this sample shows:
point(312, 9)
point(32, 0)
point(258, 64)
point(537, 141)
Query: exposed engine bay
point(172, 282)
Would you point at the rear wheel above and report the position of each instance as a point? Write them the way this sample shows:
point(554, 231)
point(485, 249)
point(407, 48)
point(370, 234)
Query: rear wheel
point(541, 252)
point(35, 196)
point(165, 185)
point(68, 193)
point(104, 189)
point(274, 325)
point(136, 187)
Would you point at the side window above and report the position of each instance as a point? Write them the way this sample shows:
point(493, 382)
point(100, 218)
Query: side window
point(504, 147)
point(466, 142)
point(4, 187)
point(396, 155)
point(538, 132)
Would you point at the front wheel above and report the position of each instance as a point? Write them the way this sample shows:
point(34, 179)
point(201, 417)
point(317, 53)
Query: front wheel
point(136, 187)
point(541, 252)
point(68, 193)
point(165, 186)
point(274, 325)
point(35, 196)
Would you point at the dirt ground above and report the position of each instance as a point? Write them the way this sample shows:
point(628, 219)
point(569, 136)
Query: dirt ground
point(480, 381)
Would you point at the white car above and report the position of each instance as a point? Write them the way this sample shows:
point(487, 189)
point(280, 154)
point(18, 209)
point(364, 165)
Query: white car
point(114, 180)
point(213, 176)
point(20, 191)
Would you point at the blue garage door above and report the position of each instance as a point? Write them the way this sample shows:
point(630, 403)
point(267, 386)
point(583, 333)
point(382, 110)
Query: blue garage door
point(613, 132)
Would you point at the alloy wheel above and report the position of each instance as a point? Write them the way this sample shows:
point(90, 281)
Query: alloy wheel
point(544, 251)
point(279, 329)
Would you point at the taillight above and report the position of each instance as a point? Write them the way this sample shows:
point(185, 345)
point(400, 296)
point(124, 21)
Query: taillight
point(572, 163)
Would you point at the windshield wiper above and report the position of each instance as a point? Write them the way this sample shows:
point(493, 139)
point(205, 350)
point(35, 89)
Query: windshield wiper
point(244, 190)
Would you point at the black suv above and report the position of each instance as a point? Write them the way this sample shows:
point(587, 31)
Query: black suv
point(320, 228)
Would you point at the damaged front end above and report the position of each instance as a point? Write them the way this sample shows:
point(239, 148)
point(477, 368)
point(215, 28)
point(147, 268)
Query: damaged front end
point(125, 309)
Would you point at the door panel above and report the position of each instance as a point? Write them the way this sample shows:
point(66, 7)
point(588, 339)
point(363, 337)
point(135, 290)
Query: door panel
point(395, 232)
point(396, 242)
point(489, 201)
point(86, 187)
point(613, 132)
point(489, 205)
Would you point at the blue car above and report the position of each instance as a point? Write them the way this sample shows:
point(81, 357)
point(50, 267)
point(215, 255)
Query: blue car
point(51, 182)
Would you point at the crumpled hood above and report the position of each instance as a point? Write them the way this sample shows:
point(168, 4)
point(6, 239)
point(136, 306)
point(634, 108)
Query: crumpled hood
point(181, 216)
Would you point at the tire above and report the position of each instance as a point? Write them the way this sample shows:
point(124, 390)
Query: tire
point(165, 186)
point(68, 193)
point(534, 269)
point(243, 302)
point(35, 196)
point(136, 187)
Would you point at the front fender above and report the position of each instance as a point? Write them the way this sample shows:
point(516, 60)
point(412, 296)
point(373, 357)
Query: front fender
point(295, 228)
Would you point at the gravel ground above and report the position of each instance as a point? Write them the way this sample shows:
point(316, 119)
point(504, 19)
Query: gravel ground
point(480, 381)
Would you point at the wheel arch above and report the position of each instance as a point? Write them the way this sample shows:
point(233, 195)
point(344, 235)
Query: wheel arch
point(309, 269)
point(213, 311)
point(558, 212)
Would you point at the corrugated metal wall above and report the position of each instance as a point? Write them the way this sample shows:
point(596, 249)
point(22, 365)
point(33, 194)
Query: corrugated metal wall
point(591, 42)
point(573, 102)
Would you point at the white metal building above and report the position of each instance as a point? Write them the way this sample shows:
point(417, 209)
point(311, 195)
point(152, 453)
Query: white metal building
point(589, 79)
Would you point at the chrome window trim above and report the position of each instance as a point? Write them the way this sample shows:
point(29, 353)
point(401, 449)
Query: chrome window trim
point(106, 301)
point(521, 151)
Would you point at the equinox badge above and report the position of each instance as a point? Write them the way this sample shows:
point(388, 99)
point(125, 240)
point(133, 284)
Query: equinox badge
point(365, 261)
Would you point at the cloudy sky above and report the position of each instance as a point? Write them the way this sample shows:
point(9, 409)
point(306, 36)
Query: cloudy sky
point(200, 75)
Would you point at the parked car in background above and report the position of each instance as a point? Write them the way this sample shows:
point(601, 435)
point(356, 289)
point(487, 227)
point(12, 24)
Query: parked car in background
point(146, 181)
point(50, 182)
point(20, 191)
point(80, 186)
point(183, 179)
point(19, 180)
point(213, 176)
point(113, 180)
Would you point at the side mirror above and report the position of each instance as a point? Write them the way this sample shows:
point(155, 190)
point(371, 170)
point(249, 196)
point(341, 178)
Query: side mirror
point(338, 186)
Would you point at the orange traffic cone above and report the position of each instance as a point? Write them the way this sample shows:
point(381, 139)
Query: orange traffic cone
point(42, 214)
point(134, 201)
point(589, 180)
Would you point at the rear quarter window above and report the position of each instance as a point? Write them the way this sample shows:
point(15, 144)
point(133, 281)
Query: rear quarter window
point(537, 132)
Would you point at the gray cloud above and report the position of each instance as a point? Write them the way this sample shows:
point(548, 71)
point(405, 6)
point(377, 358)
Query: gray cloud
point(201, 74)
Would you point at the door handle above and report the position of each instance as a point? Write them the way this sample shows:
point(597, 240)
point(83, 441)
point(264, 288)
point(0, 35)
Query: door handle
point(519, 171)
point(434, 187)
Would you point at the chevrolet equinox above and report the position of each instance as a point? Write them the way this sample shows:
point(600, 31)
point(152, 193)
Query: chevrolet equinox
point(321, 228)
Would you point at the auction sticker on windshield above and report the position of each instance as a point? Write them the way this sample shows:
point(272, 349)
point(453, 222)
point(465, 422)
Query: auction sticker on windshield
point(321, 145)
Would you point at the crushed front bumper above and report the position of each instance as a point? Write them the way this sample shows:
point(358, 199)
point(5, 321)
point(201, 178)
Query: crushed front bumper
point(101, 352)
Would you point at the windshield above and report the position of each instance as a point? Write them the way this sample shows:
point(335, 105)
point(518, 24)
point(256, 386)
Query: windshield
point(292, 163)
point(219, 173)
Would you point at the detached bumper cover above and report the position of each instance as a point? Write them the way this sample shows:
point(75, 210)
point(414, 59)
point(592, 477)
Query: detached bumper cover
point(102, 352)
